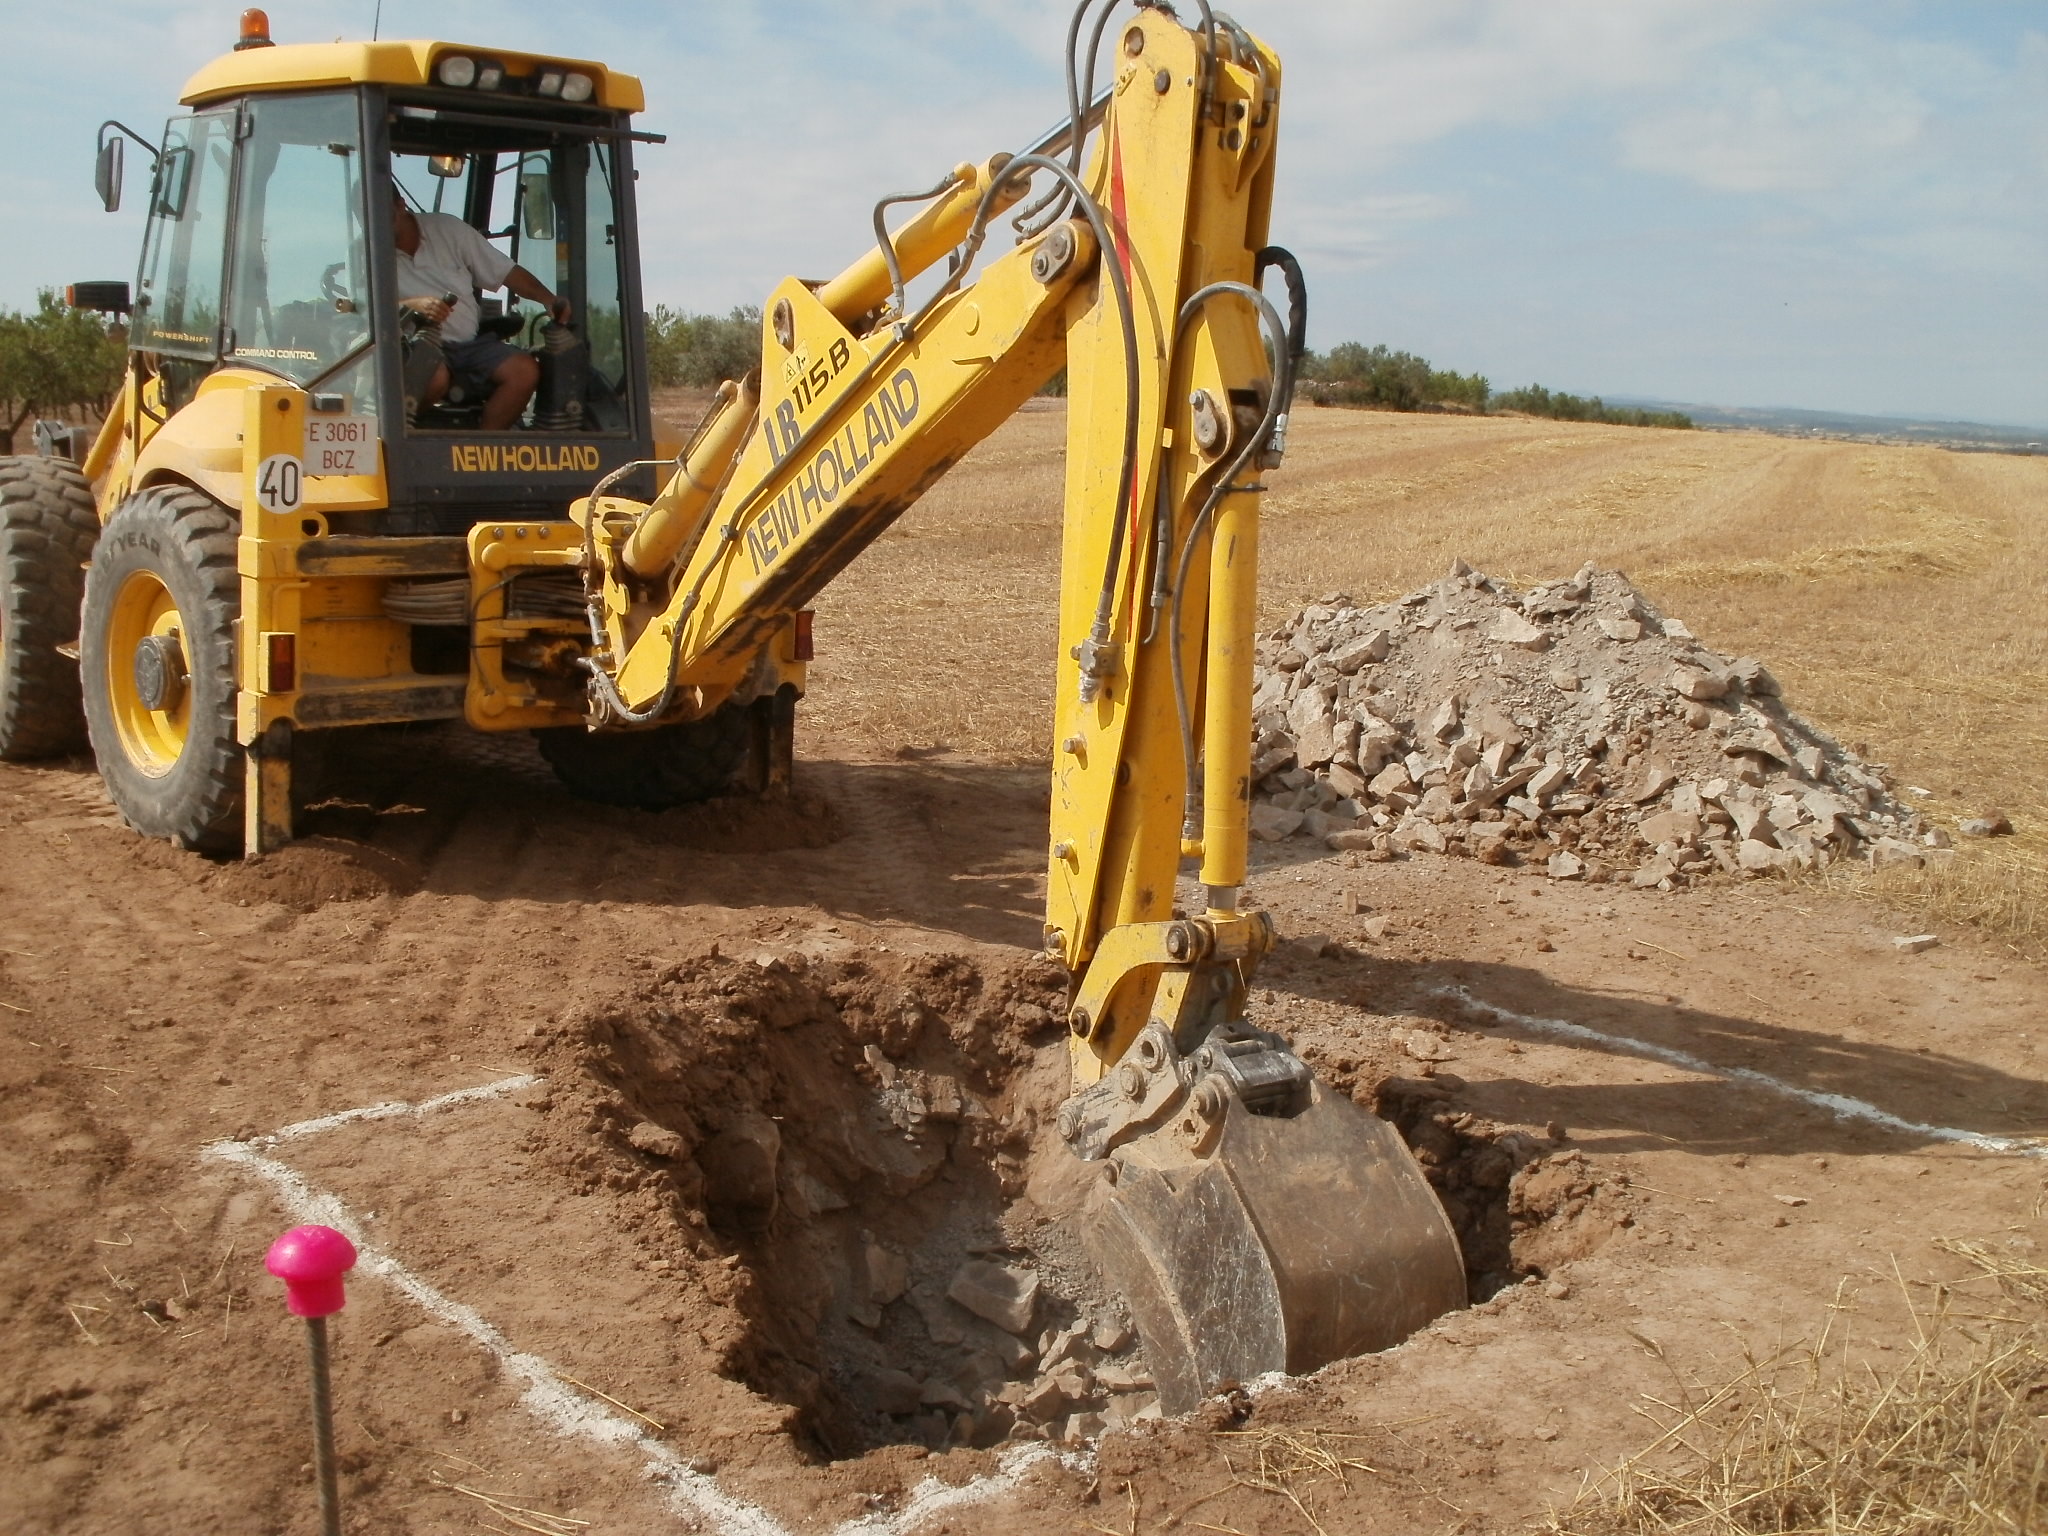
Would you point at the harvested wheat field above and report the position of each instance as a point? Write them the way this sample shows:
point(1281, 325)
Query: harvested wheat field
point(672, 1141)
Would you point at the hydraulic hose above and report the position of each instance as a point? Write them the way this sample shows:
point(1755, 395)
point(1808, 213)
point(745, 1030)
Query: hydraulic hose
point(1276, 407)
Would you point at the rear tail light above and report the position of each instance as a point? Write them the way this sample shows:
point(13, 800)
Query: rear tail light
point(281, 657)
point(801, 646)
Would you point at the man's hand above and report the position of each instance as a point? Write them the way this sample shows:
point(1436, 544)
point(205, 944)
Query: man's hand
point(560, 310)
point(429, 309)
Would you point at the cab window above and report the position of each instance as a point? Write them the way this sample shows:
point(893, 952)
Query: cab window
point(184, 253)
point(552, 205)
point(299, 298)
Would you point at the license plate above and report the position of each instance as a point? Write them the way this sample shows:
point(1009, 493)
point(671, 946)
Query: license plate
point(341, 445)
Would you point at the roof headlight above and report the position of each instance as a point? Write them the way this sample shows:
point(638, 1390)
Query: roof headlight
point(577, 87)
point(550, 82)
point(456, 69)
point(490, 76)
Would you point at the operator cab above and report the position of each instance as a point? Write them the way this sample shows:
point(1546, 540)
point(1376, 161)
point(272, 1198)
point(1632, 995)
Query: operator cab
point(271, 246)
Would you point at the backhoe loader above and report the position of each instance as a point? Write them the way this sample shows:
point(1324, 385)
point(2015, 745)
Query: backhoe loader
point(281, 533)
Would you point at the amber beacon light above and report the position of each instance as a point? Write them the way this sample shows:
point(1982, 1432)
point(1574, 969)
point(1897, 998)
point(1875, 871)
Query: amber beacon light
point(255, 30)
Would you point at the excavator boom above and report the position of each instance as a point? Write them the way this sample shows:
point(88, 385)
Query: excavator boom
point(1253, 1219)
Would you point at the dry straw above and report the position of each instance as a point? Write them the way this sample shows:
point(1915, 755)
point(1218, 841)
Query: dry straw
point(1820, 1439)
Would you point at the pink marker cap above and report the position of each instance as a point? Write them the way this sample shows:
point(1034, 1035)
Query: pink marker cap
point(311, 1261)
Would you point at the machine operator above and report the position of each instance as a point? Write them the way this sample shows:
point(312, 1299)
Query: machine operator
point(440, 256)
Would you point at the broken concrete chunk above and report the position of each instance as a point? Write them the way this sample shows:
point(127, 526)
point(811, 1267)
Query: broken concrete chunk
point(1756, 856)
point(1415, 832)
point(1620, 627)
point(1750, 673)
point(1367, 648)
point(1002, 1294)
point(1657, 777)
point(1892, 853)
point(1764, 742)
point(1122, 1378)
point(1394, 779)
point(1347, 784)
point(1547, 781)
point(1512, 629)
point(1443, 725)
point(1691, 683)
point(888, 1273)
point(1272, 824)
point(1660, 869)
point(1111, 1336)
point(1677, 827)
point(1566, 865)
point(1990, 824)
point(1915, 943)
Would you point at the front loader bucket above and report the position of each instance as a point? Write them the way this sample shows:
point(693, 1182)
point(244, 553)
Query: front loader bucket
point(1263, 1242)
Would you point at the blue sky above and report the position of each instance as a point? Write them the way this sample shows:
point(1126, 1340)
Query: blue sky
point(1834, 204)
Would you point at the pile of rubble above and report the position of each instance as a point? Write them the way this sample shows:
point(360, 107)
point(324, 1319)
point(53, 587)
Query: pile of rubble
point(1572, 726)
point(1067, 1382)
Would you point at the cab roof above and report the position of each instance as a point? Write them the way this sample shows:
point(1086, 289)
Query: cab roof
point(305, 66)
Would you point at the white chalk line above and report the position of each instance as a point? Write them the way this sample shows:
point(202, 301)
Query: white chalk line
point(547, 1396)
point(394, 1111)
point(1839, 1105)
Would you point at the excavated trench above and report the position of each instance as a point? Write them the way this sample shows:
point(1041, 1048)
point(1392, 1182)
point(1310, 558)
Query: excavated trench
point(850, 1159)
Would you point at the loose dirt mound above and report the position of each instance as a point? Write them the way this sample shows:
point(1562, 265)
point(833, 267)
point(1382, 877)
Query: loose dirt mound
point(1572, 723)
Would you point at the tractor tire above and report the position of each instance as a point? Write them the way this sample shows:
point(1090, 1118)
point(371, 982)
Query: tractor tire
point(652, 770)
point(157, 665)
point(47, 527)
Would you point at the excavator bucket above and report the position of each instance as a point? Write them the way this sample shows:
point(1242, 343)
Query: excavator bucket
point(1264, 1223)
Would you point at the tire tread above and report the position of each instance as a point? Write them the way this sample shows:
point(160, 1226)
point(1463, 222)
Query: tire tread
point(48, 526)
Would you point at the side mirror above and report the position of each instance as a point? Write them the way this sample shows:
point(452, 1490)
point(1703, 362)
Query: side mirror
point(537, 205)
point(106, 174)
point(109, 298)
point(447, 167)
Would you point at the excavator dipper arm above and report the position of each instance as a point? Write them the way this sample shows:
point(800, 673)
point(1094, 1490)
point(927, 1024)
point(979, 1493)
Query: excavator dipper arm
point(1253, 1219)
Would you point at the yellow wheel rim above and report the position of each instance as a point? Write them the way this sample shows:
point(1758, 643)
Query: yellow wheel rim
point(153, 738)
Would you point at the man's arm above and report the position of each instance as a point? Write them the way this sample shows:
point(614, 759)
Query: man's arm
point(527, 286)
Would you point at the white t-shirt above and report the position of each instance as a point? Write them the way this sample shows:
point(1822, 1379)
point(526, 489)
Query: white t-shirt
point(452, 258)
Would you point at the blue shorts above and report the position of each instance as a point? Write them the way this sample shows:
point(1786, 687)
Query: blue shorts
point(471, 363)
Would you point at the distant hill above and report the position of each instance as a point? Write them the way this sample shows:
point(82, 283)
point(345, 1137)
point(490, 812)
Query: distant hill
point(1969, 436)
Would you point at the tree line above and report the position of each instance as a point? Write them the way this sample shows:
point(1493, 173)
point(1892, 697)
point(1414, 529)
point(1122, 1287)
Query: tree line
point(56, 359)
point(1379, 378)
point(701, 350)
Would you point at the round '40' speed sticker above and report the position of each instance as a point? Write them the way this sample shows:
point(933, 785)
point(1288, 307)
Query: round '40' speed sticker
point(280, 483)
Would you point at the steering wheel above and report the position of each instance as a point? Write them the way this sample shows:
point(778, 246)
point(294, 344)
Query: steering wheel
point(331, 285)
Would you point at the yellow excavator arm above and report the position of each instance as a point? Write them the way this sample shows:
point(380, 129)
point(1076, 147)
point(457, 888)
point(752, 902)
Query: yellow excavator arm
point(1252, 1220)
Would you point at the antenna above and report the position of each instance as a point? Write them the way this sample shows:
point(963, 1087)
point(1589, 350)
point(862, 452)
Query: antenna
point(377, 20)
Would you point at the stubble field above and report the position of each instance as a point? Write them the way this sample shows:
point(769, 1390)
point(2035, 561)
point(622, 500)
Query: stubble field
point(1762, 1153)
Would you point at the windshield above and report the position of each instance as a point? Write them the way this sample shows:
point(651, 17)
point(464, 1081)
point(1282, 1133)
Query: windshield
point(300, 297)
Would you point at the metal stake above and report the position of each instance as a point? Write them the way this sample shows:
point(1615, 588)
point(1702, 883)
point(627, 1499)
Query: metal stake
point(323, 1427)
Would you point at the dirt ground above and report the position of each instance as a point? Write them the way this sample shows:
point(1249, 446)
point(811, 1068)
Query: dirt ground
point(548, 1314)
